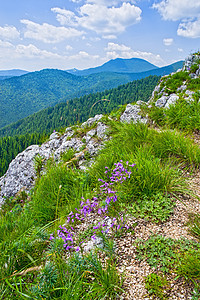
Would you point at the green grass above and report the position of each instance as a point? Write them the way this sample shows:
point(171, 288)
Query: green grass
point(26, 222)
point(55, 194)
point(156, 208)
point(172, 82)
point(156, 285)
point(184, 115)
point(194, 225)
point(163, 253)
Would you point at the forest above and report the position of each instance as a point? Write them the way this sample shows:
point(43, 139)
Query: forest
point(80, 109)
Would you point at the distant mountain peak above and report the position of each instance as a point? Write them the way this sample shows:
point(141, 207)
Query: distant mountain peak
point(13, 72)
point(118, 65)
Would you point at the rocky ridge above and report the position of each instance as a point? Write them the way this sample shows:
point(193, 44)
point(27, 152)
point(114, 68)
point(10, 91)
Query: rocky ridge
point(88, 138)
point(164, 96)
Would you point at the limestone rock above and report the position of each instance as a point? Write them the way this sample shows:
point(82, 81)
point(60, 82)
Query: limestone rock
point(101, 130)
point(54, 135)
point(91, 121)
point(171, 100)
point(20, 173)
point(193, 75)
point(90, 134)
point(132, 114)
point(161, 101)
point(182, 88)
point(92, 244)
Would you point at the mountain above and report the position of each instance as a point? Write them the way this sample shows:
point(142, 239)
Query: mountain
point(14, 72)
point(24, 95)
point(79, 109)
point(119, 65)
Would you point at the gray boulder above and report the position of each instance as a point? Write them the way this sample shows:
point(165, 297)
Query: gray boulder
point(91, 121)
point(161, 101)
point(20, 173)
point(101, 130)
point(132, 114)
point(90, 134)
point(171, 100)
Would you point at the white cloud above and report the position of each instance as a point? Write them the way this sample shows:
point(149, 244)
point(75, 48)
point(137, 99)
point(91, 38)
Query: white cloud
point(168, 41)
point(4, 44)
point(188, 11)
point(48, 33)
point(9, 33)
point(100, 18)
point(178, 9)
point(30, 57)
point(32, 51)
point(65, 17)
point(117, 47)
point(84, 55)
point(109, 37)
point(180, 50)
point(189, 29)
point(115, 50)
point(95, 39)
point(68, 48)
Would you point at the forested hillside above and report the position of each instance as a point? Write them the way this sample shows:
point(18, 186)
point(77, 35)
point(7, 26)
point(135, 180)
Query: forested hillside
point(80, 109)
point(24, 95)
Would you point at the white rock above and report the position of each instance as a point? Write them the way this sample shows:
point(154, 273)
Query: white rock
point(90, 134)
point(161, 101)
point(171, 100)
point(132, 114)
point(91, 121)
point(54, 135)
point(101, 130)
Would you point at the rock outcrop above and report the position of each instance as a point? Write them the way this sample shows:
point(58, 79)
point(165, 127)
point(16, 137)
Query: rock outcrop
point(21, 172)
point(132, 113)
point(162, 97)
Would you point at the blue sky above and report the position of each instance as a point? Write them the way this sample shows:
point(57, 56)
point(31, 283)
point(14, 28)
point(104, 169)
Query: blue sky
point(64, 34)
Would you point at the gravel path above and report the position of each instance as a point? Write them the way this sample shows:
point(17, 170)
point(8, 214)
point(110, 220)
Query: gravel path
point(176, 228)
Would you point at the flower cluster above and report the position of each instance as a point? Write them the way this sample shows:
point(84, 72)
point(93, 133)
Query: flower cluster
point(117, 176)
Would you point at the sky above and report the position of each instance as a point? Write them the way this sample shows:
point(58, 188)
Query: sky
point(66, 34)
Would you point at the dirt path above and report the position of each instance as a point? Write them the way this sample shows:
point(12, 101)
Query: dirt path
point(176, 228)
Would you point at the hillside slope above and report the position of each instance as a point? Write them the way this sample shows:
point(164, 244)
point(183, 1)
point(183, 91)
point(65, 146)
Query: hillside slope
point(114, 206)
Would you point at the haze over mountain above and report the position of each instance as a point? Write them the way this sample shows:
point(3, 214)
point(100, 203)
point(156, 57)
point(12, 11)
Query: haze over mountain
point(13, 72)
point(119, 65)
point(24, 95)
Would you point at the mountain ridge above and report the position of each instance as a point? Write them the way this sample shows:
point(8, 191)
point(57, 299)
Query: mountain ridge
point(21, 96)
point(119, 65)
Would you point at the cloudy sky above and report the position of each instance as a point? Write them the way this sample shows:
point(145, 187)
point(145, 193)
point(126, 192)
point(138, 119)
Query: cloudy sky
point(64, 34)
